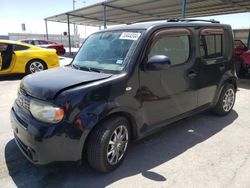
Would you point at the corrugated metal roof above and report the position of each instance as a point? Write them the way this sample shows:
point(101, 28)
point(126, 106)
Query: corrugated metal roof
point(130, 11)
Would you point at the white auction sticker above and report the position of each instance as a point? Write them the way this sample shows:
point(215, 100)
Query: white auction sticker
point(119, 62)
point(130, 35)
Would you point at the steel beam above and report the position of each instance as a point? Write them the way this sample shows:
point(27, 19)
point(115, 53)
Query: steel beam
point(184, 3)
point(46, 26)
point(104, 16)
point(248, 40)
point(90, 18)
point(69, 34)
point(131, 11)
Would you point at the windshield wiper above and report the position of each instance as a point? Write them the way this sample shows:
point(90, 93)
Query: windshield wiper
point(78, 67)
point(75, 66)
point(95, 70)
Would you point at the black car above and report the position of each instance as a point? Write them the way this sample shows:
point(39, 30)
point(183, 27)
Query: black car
point(124, 84)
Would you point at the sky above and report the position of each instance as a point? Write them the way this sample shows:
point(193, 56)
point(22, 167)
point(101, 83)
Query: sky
point(32, 12)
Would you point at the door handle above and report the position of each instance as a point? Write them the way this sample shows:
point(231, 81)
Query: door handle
point(192, 74)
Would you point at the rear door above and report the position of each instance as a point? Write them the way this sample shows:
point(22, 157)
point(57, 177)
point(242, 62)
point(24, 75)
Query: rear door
point(213, 61)
point(167, 93)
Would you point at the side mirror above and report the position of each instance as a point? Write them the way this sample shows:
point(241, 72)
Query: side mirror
point(158, 62)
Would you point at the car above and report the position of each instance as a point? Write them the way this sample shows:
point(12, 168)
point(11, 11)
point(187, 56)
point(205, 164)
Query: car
point(19, 57)
point(124, 84)
point(241, 58)
point(60, 50)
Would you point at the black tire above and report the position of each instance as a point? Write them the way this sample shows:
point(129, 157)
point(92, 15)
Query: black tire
point(28, 69)
point(220, 108)
point(98, 144)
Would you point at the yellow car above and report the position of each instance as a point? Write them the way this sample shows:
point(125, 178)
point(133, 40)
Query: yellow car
point(17, 57)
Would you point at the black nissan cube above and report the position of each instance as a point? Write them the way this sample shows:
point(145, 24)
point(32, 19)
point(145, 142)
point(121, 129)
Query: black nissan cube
point(124, 84)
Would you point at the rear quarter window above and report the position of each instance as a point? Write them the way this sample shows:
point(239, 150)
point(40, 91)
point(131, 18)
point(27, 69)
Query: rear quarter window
point(212, 43)
point(20, 47)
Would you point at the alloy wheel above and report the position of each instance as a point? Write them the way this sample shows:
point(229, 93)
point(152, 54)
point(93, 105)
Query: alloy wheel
point(228, 100)
point(36, 66)
point(117, 145)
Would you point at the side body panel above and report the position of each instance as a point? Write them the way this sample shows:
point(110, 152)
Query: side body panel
point(165, 94)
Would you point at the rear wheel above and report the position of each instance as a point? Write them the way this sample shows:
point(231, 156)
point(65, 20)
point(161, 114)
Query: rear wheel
point(226, 100)
point(108, 144)
point(35, 66)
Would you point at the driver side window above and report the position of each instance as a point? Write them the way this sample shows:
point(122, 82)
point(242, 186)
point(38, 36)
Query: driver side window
point(177, 48)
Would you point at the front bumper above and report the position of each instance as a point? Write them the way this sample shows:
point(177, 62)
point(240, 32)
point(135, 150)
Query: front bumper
point(43, 146)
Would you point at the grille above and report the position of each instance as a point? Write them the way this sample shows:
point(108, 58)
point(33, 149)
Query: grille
point(23, 100)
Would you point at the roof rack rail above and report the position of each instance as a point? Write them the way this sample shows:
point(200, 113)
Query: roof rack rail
point(197, 20)
point(191, 20)
point(173, 20)
point(148, 20)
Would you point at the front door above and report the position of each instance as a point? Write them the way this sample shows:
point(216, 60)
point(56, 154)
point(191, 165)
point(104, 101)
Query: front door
point(167, 93)
point(7, 59)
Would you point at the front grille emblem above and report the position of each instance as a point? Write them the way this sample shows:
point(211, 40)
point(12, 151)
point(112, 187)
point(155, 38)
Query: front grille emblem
point(23, 101)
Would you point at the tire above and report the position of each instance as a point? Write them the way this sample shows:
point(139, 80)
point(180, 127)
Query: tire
point(104, 152)
point(34, 66)
point(226, 101)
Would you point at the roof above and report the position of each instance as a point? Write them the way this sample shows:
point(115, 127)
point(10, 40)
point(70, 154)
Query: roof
point(11, 42)
point(17, 42)
point(130, 11)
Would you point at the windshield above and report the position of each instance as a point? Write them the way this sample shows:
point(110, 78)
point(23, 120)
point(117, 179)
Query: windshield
point(107, 51)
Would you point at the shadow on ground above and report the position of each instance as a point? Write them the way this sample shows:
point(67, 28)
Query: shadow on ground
point(244, 82)
point(11, 77)
point(142, 156)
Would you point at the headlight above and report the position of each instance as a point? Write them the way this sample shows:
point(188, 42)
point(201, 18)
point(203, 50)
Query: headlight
point(46, 112)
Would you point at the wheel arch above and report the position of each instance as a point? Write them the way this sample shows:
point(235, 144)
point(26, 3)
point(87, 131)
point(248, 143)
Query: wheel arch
point(36, 59)
point(128, 116)
point(230, 80)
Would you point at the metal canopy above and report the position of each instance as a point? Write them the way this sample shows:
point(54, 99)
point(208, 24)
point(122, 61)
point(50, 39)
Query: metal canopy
point(115, 12)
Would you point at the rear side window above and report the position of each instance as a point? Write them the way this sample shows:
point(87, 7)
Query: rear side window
point(20, 47)
point(28, 41)
point(40, 42)
point(174, 44)
point(211, 43)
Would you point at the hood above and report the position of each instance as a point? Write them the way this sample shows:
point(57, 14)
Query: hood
point(47, 84)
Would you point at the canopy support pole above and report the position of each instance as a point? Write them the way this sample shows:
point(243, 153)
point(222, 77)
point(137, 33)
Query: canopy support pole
point(69, 34)
point(104, 17)
point(248, 40)
point(46, 26)
point(184, 2)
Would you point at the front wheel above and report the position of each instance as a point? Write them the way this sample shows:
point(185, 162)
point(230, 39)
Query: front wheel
point(108, 144)
point(35, 66)
point(226, 100)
